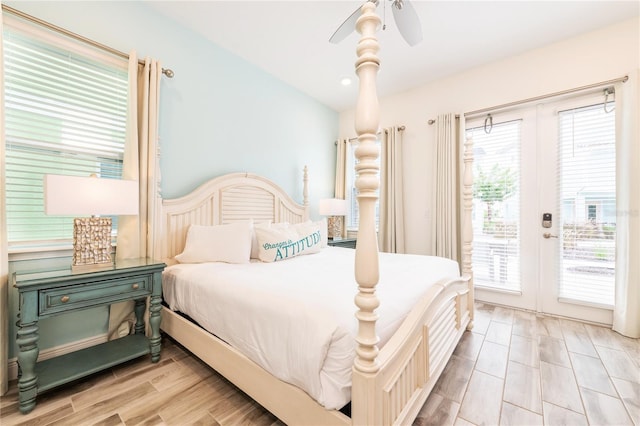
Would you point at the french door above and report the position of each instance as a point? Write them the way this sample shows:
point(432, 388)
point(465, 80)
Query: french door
point(544, 208)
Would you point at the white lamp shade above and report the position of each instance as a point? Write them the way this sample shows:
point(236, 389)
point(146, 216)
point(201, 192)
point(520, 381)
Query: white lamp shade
point(74, 195)
point(333, 207)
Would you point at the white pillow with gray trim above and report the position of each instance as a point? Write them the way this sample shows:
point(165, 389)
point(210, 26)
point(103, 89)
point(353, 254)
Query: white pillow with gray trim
point(230, 243)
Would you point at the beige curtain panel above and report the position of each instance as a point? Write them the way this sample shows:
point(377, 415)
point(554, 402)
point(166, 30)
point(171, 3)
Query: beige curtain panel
point(341, 175)
point(445, 226)
point(391, 228)
point(140, 163)
point(626, 313)
point(4, 263)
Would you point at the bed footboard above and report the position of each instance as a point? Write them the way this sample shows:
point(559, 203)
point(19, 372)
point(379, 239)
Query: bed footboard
point(287, 402)
point(413, 359)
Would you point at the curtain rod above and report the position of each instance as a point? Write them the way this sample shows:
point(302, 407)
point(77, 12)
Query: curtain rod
point(166, 71)
point(622, 79)
point(431, 120)
point(400, 128)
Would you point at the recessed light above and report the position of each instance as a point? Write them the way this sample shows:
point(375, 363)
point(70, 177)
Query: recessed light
point(345, 81)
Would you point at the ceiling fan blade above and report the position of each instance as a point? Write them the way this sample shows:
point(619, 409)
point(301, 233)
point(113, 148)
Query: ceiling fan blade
point(407, 21)
point(347, 27)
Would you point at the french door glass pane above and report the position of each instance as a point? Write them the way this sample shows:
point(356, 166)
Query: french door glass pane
point(496, 206)
point(587, 192)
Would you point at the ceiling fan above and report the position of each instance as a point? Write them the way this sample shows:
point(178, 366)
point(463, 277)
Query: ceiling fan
point(403, 13)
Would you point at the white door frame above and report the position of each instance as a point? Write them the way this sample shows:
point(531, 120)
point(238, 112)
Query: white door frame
point(549, 249)
point(538, 269)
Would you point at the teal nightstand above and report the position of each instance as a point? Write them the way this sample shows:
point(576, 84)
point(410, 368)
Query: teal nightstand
point(45, 293)
point(346, 242)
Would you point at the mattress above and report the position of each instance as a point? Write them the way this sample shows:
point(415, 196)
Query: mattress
point(295, 318)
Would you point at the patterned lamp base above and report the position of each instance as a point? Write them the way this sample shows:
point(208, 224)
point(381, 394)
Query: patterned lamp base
point(334, 227)
point(91, 243)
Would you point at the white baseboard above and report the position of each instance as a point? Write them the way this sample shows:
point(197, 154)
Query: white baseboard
point(59, 350)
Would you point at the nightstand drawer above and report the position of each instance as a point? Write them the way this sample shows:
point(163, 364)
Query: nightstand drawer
point(65, 299)
point(347, 243)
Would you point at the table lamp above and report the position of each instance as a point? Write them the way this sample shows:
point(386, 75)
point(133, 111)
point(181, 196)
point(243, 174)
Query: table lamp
point(334, 208)
point(74, 195)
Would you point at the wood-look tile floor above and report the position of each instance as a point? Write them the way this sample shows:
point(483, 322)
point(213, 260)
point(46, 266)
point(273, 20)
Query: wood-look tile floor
point(514, 368)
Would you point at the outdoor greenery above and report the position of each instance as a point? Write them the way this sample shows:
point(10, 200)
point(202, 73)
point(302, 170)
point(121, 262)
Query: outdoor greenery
point(495, 186)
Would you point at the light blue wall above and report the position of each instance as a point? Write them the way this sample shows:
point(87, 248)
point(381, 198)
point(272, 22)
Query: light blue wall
point(219, 114)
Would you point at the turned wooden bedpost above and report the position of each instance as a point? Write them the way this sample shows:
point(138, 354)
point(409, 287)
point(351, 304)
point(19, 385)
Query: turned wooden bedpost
point(367, 119)
point(467, 228)
point(366, 123)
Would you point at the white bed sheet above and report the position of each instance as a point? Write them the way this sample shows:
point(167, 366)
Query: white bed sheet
point(295, 318)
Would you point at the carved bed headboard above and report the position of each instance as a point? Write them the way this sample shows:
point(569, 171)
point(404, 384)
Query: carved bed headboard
point(225, 199)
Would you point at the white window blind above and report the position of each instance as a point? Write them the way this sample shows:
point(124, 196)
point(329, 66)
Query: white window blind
point(587, 191)
point(496, 206)
point(65, 113)
point(351, 192)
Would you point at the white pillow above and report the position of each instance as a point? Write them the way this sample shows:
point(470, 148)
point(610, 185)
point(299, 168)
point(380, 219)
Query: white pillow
point(220, 243)
point(254, 238)
point(280, 244)
point(280, 225)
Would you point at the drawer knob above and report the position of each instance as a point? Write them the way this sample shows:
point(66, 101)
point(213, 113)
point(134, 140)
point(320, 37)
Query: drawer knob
point(135, 286)
point(64, 299)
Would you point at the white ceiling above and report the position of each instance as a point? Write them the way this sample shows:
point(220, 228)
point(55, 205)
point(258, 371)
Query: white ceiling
point(289, 39)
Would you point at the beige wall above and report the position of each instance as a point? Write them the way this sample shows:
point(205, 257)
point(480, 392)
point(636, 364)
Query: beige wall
point(597, 56)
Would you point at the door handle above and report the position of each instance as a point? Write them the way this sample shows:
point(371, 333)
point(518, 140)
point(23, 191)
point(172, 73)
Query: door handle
point(548, 235)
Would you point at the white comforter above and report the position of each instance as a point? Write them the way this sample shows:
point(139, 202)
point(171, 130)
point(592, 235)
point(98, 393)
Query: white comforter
point(295, 318)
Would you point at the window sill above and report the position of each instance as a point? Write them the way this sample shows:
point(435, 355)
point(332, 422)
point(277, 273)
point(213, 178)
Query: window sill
point(43, 250)
point(40, 252)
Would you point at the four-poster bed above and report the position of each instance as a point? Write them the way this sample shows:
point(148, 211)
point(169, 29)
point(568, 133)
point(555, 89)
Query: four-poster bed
point(390, 384)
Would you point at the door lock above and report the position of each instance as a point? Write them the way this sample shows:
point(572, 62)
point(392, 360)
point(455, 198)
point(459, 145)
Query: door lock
point(548, 235)
point(546, 220)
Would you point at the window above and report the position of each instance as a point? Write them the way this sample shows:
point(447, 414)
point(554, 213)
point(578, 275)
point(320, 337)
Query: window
point(496, 206)
point(586, 159)
point(351, 192)
point(65, 106)
point(555, 159)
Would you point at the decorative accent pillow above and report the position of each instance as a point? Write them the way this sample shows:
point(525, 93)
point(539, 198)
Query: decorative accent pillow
point(219, 243)
point(309, 226)
point(280, 244)
point(255, 254)
point(324, 234)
